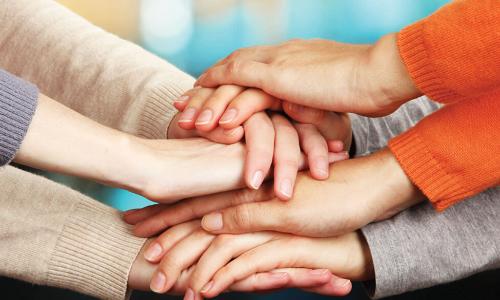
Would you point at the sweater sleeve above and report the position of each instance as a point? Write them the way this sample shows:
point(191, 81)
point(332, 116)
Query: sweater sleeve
point(411, 250)
point(454, 54)
point(420, 248)
point(18, 100)
point(453, 153)
point(110, 80)
point(51, 235)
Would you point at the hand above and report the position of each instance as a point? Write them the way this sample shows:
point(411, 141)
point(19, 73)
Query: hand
point(142, 271)
point(182, 245)
point(232, 257)
point(201, 112)
point(364, 79)
point(358, 192)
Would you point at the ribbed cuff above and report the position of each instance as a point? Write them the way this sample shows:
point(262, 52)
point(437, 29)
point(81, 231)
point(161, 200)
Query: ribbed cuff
point(425, 171)
point(414, 52)
point(94, 253)
point(159, 110)
point(18, 100)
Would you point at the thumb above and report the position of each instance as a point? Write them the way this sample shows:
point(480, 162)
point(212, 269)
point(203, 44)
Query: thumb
point(244, 218)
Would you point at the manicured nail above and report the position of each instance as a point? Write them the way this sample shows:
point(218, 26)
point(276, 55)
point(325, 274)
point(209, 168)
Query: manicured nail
point(340, 282)
point(207, 287)
point(228, 116)
point(204, 117)
point(345, 153)
point(189, 294)
point(181, 99)
point(187, 115)
point(322, 167)
point(257, 179)
point(212, 222)
point(286, 187)
point(153, 252)
point(158, 282)
point(318, 272)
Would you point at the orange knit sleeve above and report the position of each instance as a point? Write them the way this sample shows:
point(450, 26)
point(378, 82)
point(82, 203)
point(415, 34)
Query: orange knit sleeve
point(455, 53)
point(453, 56)
point(455, 152)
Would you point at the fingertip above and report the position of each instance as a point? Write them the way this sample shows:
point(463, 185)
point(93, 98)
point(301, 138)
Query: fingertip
point(335, 146)
point(128, 216)
point(212, 222)
point(284, 189)
point(339, 156)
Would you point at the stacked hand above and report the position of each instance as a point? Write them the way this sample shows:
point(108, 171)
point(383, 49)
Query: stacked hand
point(224, 238)
point(320, 135)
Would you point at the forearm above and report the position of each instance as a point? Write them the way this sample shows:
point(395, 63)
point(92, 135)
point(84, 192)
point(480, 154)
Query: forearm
point(63, 141)
point(420, 248)
point(51, 235)
point(94, 72)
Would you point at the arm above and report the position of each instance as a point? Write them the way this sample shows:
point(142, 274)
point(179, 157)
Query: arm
point(411, 250)
point(51, 235)
point(93, 72)
point(420, 248)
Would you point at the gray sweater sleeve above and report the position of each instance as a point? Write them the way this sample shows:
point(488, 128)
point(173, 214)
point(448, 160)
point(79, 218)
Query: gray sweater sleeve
point(420, 247)
point(18, 100)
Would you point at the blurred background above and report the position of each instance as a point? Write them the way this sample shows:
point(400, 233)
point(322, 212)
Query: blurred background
point(193, 34)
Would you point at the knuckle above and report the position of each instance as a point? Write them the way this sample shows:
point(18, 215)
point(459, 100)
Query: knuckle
point(242, 216)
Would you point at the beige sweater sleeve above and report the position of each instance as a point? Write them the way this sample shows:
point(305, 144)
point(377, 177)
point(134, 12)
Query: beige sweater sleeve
point(51, 235)
point(110, 80)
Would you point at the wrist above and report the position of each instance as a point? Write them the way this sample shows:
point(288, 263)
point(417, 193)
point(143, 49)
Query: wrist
point(400, 193)
point(394, 84)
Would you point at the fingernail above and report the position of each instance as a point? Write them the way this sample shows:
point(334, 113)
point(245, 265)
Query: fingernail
point(322, 167)
point(188, 115)
point(158, 282)
point(189, 294)
point(153, 252)
point(212, 222)
point(345, 153)
point(318, 272)
point(182, 99)
point(340, 283)
point(204, 117)
point(286, 187)
point(257, 179)
point(207, 287)
point(228, 116)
